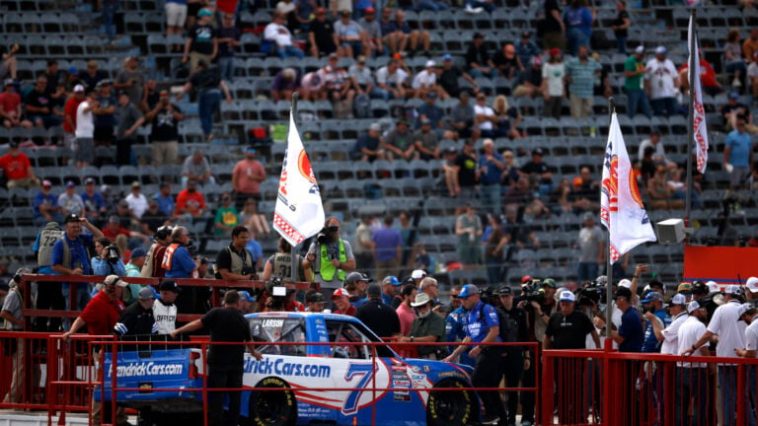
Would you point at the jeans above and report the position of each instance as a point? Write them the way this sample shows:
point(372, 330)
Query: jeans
point(621, 44)
point(494, 268)
point(664, 106)
point(289, 52)
point(224, 377)
point(728, 388)
point(208, 103)
point(434, 6)
point(576, 37)
point(587, 271)
point(379, 93)
point(637, 99)
point(109, 13)
point(491, 197)
point(82, 298)
point(226, 66)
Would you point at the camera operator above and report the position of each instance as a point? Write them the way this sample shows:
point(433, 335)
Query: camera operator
point(235, 262)
point(538, 300)
point(518, 362)
point(108, 260)
point(153, 266)
point(482, 325)
point(277, 296)
point(330, 257)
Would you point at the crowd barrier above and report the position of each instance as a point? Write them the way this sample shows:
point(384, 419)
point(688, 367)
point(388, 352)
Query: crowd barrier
point(615, 388)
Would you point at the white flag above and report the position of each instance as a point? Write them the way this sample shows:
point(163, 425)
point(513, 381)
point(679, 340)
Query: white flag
point(621, 208)
point(299, 213)
point(699, 130)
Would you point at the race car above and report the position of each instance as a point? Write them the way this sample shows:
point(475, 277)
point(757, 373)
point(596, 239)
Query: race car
point(336, 383)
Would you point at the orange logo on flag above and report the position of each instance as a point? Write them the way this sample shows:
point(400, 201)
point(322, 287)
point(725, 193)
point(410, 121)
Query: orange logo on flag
point(304, 165)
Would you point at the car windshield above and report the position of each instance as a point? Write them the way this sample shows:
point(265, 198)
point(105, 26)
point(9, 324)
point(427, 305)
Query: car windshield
point(276, 330)
point(341, 331)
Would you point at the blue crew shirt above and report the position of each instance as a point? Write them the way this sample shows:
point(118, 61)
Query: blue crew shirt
point(454, 332)
point(631, 331)
point(182, 264)
point(478, 321)
point(650, 343)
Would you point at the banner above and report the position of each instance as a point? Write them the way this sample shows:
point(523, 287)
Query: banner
point(699, 130)
point(725, 265)
point(299, 213)
point(621, 208)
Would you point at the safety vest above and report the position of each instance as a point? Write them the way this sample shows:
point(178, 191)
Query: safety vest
point(240, 262)
point(168, 256)
point(327, 269)
point(47, 239)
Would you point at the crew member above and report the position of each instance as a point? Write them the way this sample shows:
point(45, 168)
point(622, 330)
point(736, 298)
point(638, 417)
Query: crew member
point(49, 293)
point(331, 257)
point(104, 310)
point(454, 331)
point(225, 362)
point(235, 262)
point(378, 316)
point(137, 319)
point(164, 309)
point(482, 326)
point(153, 266)
point(178, 263)
point(518, 361)
point(247, 302)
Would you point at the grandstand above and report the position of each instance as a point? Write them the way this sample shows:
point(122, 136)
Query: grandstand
point(70, 32)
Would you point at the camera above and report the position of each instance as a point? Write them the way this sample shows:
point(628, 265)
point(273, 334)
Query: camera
point(589, 295)
point(278, 294)
point(112, 254)
point(533, 291)
point(322, 238)
point(247, 271)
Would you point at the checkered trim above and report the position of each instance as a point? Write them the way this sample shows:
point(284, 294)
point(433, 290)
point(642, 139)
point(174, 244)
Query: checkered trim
point(614, 254)
point(287, 230)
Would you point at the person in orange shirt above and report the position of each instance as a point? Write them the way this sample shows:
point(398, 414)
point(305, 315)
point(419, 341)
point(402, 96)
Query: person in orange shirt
point(750, 45)
point(247, 176)
point(190, 201)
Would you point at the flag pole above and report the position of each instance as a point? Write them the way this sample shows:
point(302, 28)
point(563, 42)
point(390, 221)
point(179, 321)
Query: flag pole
point(609, 271)
point(296, 248)
point(690, 119)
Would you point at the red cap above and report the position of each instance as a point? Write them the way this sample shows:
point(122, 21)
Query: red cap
point(525, 279)
point(340, 292)
point(555, 51)
point(369, 10)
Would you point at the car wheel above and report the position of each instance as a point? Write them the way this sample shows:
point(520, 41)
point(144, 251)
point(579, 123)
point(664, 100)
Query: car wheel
point(451, 407)
point(273, 408)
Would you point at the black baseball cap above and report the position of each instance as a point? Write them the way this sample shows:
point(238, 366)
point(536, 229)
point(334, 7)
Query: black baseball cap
point(170, 286)
point(72, 218)
point(504, 290)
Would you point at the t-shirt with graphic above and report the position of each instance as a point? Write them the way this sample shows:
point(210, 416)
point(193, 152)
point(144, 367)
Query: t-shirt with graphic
point(164, 125)
point(467, 169)
point(227, 216)
point(554, 73)
point(202, 39)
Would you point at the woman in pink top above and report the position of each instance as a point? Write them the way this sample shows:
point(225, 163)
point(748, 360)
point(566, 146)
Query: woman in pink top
point(405, 311)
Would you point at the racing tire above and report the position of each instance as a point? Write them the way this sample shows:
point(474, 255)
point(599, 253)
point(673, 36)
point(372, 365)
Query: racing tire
point(446, 408)
point(273, 408)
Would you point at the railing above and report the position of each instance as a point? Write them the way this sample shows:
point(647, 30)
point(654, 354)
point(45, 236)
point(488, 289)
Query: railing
point(614, 388)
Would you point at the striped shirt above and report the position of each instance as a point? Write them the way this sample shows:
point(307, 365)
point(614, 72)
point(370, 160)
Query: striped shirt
point(583, 75)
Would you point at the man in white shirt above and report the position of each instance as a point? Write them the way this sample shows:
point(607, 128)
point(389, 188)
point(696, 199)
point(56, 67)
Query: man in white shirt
point(654, 141)
point(280, 37)
point(749, 315)
point(484, 116)
point(391, 78)
point(731, 336)
point(84, 147)
point(692, 377)
point(136, 200)
point(426, 81)
point(664, 81)
point(669, 335)
point(553, 84)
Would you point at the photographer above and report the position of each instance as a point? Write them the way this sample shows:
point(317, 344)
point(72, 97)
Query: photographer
point(538, 300)
point(330, 256)
point(235, 262)
point(517, 366)
point(276, 297)
point(107, 260)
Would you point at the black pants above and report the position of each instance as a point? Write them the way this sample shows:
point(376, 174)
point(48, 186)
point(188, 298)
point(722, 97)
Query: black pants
point(527, 380)
point(487, 374)
point(124, 151)
point(513, 370)
point(49, 296)
point(224, 376)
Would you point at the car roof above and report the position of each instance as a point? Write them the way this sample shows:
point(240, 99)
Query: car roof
point(325, 316)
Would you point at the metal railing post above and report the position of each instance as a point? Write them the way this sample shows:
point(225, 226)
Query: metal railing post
point(547, 389)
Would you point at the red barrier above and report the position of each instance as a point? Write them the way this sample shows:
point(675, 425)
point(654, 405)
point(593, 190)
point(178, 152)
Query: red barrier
point(725, 265)
point(613, 388)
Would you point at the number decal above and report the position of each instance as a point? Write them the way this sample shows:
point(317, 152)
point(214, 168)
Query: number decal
point(365, 372)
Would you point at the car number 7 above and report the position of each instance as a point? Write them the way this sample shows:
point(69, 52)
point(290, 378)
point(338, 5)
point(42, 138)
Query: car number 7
point(366, 372)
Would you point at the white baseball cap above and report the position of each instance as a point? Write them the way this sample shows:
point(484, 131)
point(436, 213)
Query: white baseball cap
point(567, 296)
point(639, 49)
point(733, 290)
point(78, 88)
point(417, 274)
point(625, 283)
point(693, 306)
point(678, 299)
point(660, 50)
point(752, 284)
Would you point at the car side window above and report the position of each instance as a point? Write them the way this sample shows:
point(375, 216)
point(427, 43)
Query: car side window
point(342, 332)
point(273, 330)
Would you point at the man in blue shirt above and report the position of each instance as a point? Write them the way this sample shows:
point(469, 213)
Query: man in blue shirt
point(653, 304)
point(454, 331)
point(166, 203)
point(482, 325)
point(491, 166)
point(45, 205)
point(629, 336)
point(70, 257)
point(738, 152)
point(388, 248)
point(178, 263)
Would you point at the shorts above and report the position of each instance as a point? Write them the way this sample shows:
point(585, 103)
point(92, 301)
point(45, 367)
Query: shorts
point(84, 150)
point(176, 14)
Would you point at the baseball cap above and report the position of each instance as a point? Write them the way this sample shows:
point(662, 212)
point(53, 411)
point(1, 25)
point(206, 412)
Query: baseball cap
point(421, 300)
point(567, 296)
point(549, 282)
point(554, 51)
point(138, 252)
point(678, 299)
point(78, 88)
point(245, 295)
point(625, 283)
point(639, 49)
point(249, 150)
point(744, 309)
point(660, 50)
point(652, 296)
point(369, 10)
point(447, 57)
point(418, 274)
point(752, 284)
point(170, 286)
point(684, 288)
point(391, 279)
point(733, 290)
point(146, 293)
point(712, 287)
point(468, 290)
point(375, 127)
point(356, 276)
point(89, 181)
point(525, 279)
point(538, 151)
point(693, 306)
point(734, 94)
point(204, 12)
point(361, 59)
point(340, 292)
point(504, 290)
point(8, 82)
point(314, 297)
point(72, 218)
point(114, 280)
point(70, 184)
point(622, 292)
point(430, 63)
point(136, 184)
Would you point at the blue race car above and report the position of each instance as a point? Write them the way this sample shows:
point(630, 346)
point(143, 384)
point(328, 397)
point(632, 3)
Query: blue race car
point(309, 373)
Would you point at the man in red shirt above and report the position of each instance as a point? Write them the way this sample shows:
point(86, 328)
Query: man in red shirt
point(342, 305)
point(247, 177)
point(17, 168)
point(69, 110)
point(10, 106)
point(190, 201)
point(113, 229)
point(708, 80)
point(103, 311)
